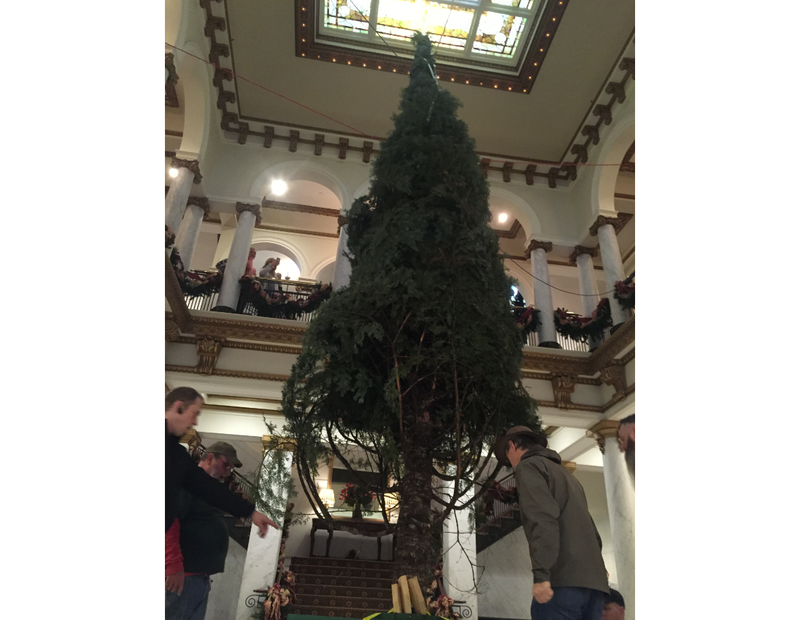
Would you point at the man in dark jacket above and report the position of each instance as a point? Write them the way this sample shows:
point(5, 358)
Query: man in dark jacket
point(197, 544)
point(569, 577)
point(183, 405)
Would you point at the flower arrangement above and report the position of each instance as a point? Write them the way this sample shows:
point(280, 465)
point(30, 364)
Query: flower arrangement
point(439, 604)
point(357, 497)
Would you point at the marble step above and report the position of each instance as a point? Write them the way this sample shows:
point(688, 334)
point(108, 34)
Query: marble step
point(317, 590)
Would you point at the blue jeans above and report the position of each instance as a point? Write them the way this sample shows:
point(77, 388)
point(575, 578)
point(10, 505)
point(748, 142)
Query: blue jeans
point(191, 604)
point(570, 603)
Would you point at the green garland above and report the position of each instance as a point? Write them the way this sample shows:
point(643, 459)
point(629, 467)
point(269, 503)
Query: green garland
point(581, 329)
point(625, 294)
point(278, 305)
point(528, 320)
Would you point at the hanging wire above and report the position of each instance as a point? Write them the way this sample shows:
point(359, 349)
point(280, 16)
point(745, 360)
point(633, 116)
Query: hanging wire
point(626, 281)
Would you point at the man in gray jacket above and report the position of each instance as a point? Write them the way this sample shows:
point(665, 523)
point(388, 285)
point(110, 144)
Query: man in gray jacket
point(569, 576)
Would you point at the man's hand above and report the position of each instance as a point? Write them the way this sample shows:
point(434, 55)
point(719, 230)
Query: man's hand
point(542, 592)
point(262, 522)
point(174, 582)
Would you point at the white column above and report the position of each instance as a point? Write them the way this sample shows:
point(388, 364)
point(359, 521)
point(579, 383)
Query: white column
point(606, 230)
point(249, 217)
point(261, 562)
point(542, 297)
point(460, 557)
point(186, 240)
point(342, 268)
point(587, 284)
point(178, 194)
point(621, 511)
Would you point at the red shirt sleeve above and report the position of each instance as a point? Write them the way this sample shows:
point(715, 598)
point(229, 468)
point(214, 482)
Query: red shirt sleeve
point(173, 559)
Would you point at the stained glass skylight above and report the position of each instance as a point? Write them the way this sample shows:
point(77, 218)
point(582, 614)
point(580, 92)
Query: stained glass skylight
point(474, 29)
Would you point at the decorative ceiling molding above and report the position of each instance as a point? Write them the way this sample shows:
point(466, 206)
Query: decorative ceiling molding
point(171, 94)
point(559, 174)
point(289, 206)
point(219, 372)
point(627, 165)
point(511, 233)
point(297, 231)
point(235, 409)
point(485, 73)
point(625, 196)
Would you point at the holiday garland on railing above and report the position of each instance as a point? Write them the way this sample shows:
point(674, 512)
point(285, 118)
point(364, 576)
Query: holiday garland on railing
point(625, 294)
point(529, 320)
point(195, 283)
point(582, 328)
point(280, 305)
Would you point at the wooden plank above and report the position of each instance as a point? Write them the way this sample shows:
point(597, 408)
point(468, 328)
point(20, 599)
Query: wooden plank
point(416, 596)
point(404, 594)
point(397, 604)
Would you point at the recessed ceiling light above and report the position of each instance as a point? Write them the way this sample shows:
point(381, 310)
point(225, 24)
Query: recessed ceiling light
point(278, 187)
point(173, 172)
point(502, 217)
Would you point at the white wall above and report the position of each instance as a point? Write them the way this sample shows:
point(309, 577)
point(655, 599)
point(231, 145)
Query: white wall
point(224, 594)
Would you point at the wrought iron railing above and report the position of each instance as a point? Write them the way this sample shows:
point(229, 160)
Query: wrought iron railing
point(501, 508)
point(249, 302)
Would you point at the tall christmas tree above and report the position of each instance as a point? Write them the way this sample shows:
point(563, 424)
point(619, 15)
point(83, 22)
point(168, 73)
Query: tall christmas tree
point(417, 362)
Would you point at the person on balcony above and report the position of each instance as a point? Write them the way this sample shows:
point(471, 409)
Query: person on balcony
point(569, 576)
point(197, 543)
point(249, 270)
point(183, 405)
point(269, 271)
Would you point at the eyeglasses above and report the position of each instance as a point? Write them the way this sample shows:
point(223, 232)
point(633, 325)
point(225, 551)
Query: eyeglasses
point(224, 460)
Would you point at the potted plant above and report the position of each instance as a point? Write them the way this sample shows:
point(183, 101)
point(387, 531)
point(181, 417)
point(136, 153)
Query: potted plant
point(358, 498)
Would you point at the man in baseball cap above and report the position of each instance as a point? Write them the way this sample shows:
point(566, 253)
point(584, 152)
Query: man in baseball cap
point(569, 576)
point(614, 607)
point(197, 546)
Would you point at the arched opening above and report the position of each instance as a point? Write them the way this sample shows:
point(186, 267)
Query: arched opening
point(302, 180)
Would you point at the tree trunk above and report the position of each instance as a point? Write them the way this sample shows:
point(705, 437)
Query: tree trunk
point(418, 546)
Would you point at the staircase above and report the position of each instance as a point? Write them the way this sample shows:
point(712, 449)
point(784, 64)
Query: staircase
point(342, 588)
point(498, 528)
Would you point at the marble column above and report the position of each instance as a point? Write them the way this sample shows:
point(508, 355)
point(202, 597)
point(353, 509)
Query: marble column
point(261, 562)
point(621, 510)
point(178, 194)
point(197, 210)
point(582, 256)
point(606, 229)
point(249, 218)
point(542, 298)
point(342, 268)
point(460, 556)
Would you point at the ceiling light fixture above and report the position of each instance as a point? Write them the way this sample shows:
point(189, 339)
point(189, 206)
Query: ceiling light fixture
point(173, 172)
point(278, 187)
point(502, 218)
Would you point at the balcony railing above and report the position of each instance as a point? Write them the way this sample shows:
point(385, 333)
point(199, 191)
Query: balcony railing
point(253, 304)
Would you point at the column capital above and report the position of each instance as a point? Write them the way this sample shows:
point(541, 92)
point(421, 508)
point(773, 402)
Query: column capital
point(547, 246)
point(617, 222)
point(241, 207)
point(199, 201)
point(191, 164)
point(208, 350)
point(581, 249)
point(341, 221)
point(602, 431)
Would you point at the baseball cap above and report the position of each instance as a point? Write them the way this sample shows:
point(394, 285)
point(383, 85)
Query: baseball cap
point(225, 449)
point(614, 597)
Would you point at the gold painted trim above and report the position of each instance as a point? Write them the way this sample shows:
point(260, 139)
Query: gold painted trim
point(246, 398)
point(234, 409)
point(220, 372)
point(248, 346)
point(297, 231)
point(298, 208)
